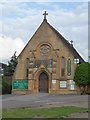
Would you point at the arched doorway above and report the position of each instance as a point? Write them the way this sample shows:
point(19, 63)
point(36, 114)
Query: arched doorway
point(43, 82)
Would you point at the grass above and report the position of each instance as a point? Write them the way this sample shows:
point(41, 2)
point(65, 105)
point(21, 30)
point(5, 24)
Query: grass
point(57, 112)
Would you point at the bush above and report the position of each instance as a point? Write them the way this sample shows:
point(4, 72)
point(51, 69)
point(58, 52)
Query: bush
point(6, 88)
point(82, 76)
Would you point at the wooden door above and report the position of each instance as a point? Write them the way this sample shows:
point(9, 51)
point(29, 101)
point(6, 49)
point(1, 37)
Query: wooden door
point(43, 82)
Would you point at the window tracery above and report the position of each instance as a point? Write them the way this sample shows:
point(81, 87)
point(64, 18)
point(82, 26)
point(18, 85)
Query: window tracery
point(45, 50)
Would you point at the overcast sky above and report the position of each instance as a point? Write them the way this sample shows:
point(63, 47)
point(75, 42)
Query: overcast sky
point(19, 21)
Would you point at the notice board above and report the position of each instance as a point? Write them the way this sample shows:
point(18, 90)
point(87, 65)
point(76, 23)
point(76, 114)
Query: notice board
point(20, 84)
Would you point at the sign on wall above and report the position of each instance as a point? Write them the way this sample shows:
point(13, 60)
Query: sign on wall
point(53, 81)
point(67, 85)
point(76, 61)
point(63, 84)
point(20, 84)
point(69, 67)
point(72, 82)
point(72, 85)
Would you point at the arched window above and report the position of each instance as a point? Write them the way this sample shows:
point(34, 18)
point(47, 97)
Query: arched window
point(63, 66)
point(27, 66)
point(68, 67)
point(45, 50)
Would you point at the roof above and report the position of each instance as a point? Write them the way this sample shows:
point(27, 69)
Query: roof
point(76, 54)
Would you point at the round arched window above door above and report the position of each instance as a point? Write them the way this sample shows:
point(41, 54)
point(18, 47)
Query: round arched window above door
point(44, 50)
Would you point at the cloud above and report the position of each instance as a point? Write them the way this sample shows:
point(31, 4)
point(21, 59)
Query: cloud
point(8, 46)
point(44, 1)
point(83, 51)
point(21, 20)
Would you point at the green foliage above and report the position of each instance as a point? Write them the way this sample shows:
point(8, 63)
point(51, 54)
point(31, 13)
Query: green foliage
point(57, 112)
point(9, 70)
point(0, 84)
point(4, 65)
point(82, 74)
point(6, 88)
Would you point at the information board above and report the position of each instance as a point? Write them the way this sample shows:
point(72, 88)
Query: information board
point(72, 82)
point(72, 85)
point(53, 81)
point(76, 61)
point(67, 85)
point(20, 84)
point(62, 84)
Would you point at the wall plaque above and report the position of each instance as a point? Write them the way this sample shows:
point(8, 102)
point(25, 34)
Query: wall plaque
point(72, 82)
point(53, 81)
point(67, 85)
point(76, 61)
point(63, 84)
point(20, 84)
point(72, 85)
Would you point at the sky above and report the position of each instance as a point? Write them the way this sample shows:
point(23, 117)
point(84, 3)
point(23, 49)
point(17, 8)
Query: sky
point(20, 20)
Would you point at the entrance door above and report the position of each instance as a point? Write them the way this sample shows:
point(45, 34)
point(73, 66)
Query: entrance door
point(43, 82)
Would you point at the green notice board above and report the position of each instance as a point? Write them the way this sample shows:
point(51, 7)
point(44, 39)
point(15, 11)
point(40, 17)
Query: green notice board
point(20, 84)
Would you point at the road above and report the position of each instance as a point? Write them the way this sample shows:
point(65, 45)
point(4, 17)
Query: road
point(43, 100)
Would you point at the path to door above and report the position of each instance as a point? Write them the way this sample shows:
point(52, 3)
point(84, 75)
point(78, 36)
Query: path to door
point(44, 100)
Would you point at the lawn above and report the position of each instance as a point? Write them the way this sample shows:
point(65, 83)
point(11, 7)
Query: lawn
point(56, 112)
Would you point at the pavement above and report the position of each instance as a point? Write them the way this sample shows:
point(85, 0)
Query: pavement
point(43, 100)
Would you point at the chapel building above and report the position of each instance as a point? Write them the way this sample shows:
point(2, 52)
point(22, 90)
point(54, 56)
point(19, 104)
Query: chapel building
point(46, 64)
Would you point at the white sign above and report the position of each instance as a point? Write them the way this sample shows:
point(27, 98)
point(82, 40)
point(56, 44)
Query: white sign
point(72, 82)
point(76, 61)
point(71, 87)
point(53, 81)
point(62, 84)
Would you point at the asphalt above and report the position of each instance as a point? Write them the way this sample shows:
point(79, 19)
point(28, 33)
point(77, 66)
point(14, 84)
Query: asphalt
point(43, 100)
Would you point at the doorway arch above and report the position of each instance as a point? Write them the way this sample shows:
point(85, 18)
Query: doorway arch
point(43, 82)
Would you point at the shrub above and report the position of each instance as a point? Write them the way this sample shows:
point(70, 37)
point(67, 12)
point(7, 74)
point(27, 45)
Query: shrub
point(82, 76)
point(6, 88)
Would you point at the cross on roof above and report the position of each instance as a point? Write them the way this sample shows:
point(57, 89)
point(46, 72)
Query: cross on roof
point(71, 41)
point(45, 15)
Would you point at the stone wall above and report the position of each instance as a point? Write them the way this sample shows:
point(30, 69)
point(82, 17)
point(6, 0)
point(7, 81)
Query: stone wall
point(33, 51)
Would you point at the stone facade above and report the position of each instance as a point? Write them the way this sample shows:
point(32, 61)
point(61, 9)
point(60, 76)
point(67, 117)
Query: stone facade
point(44, 53)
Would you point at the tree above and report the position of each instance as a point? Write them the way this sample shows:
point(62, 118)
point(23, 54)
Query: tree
point(9, 70)
point(82, 75)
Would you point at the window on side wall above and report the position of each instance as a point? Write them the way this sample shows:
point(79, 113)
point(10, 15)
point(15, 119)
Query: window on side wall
point(63, 66)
